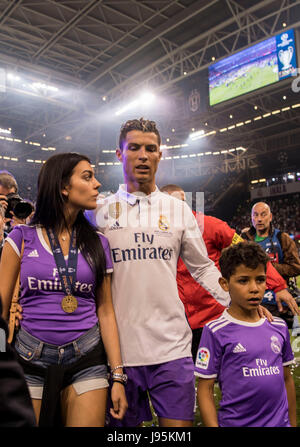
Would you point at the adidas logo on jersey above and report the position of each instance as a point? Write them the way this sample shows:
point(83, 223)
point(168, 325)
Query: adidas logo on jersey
point(239, 348)
point(33, 254)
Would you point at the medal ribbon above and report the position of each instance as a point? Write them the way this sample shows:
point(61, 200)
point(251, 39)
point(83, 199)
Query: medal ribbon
point(67, 273)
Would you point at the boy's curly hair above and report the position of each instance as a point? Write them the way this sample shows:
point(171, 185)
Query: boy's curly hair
point(249, 254)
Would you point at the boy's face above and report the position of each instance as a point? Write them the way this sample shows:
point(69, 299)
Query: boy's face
point(246, 288)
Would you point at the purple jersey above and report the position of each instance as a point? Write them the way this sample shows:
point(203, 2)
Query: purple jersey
point(247, 359)
point(41, 292)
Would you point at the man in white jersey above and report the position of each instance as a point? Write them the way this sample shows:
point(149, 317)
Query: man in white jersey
point(148, 231)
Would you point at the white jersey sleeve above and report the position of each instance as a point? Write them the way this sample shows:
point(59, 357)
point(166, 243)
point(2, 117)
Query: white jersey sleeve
point(194, 255)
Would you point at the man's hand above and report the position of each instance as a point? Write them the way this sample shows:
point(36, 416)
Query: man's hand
point(18, 315)
point(3, 201)
point(119, 401)
point(284, 295)
point(264, 313)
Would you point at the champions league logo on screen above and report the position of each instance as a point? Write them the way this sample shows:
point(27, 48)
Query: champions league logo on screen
point(286, 54)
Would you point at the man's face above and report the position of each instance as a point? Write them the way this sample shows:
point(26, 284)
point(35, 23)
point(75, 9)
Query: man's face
point(140, 157)
point(261, 218)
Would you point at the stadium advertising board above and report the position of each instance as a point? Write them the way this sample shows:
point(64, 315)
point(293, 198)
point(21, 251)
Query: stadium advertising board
point(260, 65)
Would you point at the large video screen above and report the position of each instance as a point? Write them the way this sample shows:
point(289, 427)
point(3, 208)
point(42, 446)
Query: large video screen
point(258, 66)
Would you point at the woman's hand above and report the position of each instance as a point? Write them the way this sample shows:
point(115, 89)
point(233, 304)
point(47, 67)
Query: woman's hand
point(119, 400)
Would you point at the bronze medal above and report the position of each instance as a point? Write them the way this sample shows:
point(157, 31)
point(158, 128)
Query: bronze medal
point(69, 304)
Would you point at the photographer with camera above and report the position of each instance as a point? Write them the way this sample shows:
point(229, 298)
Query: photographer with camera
point(17, 210)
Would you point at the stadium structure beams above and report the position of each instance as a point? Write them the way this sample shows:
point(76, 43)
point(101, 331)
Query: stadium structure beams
point(158, 33)
point(184, 60)
point(113, 48)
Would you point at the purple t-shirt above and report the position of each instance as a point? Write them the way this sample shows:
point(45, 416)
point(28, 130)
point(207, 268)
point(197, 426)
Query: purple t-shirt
point(247, 359)
point(41, 292)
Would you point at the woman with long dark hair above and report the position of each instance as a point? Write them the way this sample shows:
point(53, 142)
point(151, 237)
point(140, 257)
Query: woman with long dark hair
point(68, 327)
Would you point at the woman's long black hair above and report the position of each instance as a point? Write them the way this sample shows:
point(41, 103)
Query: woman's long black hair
point(50, 209)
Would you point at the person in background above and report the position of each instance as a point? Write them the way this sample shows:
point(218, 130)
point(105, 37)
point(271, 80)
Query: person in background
point(280, 248)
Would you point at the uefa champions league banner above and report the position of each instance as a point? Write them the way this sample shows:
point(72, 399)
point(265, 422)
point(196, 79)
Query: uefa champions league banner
point(257, 66)
point(276, 190)
point(286, 54)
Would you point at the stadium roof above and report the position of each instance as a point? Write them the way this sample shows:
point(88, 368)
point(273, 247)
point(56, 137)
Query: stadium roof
point(70, 64)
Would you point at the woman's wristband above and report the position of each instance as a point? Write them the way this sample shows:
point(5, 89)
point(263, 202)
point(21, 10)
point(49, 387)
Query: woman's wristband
point(119, 381)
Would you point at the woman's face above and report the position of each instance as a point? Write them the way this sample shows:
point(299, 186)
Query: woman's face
point(82, 190)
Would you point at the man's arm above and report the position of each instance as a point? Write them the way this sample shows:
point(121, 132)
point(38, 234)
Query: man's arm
point(194, 255)
point(206, 402)
point(291, 261)
point(291, 395)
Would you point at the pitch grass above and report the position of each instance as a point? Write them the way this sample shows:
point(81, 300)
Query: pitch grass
point(295, 370)
point(254, 79)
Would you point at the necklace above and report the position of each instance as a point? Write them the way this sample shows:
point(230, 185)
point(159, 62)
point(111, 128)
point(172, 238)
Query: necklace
point(64, 238)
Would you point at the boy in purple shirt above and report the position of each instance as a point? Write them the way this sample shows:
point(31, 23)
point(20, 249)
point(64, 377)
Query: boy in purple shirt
point(248, 355)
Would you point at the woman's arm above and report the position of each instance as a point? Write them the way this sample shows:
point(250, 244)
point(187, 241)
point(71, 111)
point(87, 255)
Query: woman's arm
point(9, 270)
point(291, 395)
point(110, 336)
point(206, 402)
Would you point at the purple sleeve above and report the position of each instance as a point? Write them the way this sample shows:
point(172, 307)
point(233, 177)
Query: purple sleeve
point(15, 238)
point(287, 352)
point(209, 353)
point(106, 247)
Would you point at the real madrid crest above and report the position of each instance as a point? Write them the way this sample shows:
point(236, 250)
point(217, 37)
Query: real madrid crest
point(115, 210)
point(163, 223)
point(275, 345)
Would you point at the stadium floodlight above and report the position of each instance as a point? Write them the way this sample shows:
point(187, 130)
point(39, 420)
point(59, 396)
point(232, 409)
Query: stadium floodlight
point(196, 135)
point(145, 99)
point(5, 131)
point(44, 87)
point(128, 106)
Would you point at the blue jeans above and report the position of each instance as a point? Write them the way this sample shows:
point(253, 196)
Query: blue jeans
point(43, 354)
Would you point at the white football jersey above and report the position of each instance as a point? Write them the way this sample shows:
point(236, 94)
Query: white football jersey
point(147, 234)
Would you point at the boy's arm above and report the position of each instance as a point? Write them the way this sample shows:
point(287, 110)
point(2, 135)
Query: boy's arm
point(291, 395)
point(206, 402)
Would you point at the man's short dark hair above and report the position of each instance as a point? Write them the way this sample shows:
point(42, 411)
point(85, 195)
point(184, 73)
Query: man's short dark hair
point(138, 124)
point(171, 188)
point(8, 181)
point(249, 254)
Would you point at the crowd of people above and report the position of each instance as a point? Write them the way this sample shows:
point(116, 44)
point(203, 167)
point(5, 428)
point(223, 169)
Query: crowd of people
point(110, 289)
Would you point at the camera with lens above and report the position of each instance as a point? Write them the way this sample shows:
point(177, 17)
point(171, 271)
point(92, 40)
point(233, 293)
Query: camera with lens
point(20, 207)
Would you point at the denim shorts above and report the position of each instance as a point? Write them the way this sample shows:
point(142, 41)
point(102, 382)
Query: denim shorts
point(43, 354)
